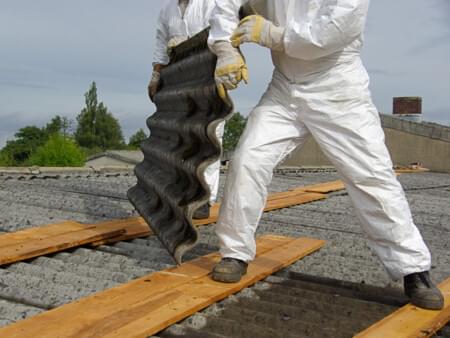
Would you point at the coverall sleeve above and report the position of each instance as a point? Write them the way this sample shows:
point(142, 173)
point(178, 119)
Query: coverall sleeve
point(208, 10)
point(335, 25)
point(224, 19)
point(162, 39)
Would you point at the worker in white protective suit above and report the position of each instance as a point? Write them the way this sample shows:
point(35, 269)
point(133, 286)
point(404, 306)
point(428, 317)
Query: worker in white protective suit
point(178, 21)
point(319, 88)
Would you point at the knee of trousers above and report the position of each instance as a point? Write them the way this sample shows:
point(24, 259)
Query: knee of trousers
point(249, 166)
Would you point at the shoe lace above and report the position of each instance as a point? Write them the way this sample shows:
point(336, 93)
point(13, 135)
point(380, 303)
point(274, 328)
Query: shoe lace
point(425, 278)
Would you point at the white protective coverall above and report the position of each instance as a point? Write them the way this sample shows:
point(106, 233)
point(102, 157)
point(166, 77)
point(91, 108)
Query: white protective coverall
point(173, 23)
point(319, 88)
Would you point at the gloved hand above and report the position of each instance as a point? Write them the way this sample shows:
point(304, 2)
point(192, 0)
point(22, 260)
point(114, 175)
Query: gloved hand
point(154, 84)
point(230, 69)
point(175, 42)
point(255, 28)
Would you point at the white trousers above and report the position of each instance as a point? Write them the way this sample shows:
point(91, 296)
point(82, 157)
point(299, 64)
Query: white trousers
point(212, 172)
point(349, 132)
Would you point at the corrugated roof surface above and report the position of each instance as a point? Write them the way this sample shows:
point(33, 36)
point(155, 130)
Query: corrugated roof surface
point(30, 287)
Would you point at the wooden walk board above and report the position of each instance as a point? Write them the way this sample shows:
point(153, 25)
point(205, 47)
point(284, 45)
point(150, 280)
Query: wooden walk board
point(148, 305)
point(412, 322)
point(324, 188)
point(275, 201)
point(133, 228)
point(38, 242)
point(44, 231)
point(34, 242)
point(296, 199)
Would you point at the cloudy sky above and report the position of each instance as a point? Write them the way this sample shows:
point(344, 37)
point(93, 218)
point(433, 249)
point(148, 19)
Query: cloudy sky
point(51, 50)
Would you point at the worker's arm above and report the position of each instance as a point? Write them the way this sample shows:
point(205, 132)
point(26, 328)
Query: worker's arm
point(161, 58)
point(224, 20)
point(231, 68)
point(162, 39)
point(335, 25)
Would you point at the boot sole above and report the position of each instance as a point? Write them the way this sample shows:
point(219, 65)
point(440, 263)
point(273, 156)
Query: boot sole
point(226, 278)
point(427, 304)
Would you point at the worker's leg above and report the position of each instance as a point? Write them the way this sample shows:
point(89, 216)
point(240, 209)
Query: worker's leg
point(350, 134)
point(271, 133)
point(212, 173)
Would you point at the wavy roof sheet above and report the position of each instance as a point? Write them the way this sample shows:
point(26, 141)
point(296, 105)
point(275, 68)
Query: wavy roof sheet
point(182, 143)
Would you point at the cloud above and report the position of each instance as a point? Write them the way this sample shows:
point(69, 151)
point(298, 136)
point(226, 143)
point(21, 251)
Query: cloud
point(25, 85)
point(53, 50)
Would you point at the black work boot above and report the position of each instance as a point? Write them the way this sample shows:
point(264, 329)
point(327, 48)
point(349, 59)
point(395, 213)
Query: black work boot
point(202, 212)
point(422, 292)
point(229, 270)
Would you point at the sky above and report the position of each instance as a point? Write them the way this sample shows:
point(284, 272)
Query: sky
point(52, 50)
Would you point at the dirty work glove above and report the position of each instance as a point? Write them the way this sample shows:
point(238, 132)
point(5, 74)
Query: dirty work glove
point(230, 69)
point(255, 28)
point(175, 42)
point(154, 84)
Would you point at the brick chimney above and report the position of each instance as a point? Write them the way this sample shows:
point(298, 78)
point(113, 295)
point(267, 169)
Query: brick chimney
point(408, 108)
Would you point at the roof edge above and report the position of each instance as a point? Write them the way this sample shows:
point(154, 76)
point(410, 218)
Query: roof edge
point(426, 129)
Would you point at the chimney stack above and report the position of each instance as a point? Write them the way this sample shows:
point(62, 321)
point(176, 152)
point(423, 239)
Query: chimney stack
point(408, 108)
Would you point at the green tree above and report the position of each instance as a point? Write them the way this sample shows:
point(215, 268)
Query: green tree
point(58, 151)
point(233, 131)
point(27, 140)
point(54, 126)
point(60, 125)
point(5, 159)
point(96, 126)
point(136, 140)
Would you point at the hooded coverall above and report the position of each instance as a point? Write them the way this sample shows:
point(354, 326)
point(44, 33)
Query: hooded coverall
point(319, 88)
point(178, 20)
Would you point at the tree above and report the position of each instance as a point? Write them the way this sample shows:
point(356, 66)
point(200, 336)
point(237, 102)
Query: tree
point(60, 125)
point(58, 151)
point(27, 140)
point(233, 131)
point(136, 140)
point(96, 126)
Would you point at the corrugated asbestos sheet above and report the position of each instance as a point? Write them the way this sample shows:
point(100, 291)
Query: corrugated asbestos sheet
point(292, 305)
point(31, 287)
point(182, 143)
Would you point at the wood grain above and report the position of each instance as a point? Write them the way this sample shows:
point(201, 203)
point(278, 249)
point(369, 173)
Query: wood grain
point(411, 321)
point(147, 305)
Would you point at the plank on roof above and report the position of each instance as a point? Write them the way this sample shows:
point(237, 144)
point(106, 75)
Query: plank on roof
point(34, 242)
point(134, 227)
point(411, 321)
point(44, 231)
point(148, 305)
point(15, 251)
point(324, 188)
point(275, 201)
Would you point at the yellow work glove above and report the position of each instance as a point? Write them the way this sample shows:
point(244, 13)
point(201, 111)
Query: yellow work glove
point(255, 28)
point(230, 69)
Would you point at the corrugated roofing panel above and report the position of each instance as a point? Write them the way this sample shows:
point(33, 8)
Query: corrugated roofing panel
point(182, 143)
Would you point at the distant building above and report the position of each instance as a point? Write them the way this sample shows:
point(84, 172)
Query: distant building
point(408, 142)
point(115, 158)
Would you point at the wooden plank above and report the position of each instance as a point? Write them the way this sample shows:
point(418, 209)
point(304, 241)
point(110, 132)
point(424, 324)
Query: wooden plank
point(324, 188)
point(411, 321)
point(411, 171)
point(14, 246)
point(133, 228)
point(145, 306)
point(292, 201)
point(19, 251)
point(274, 202)
point(39, 233)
